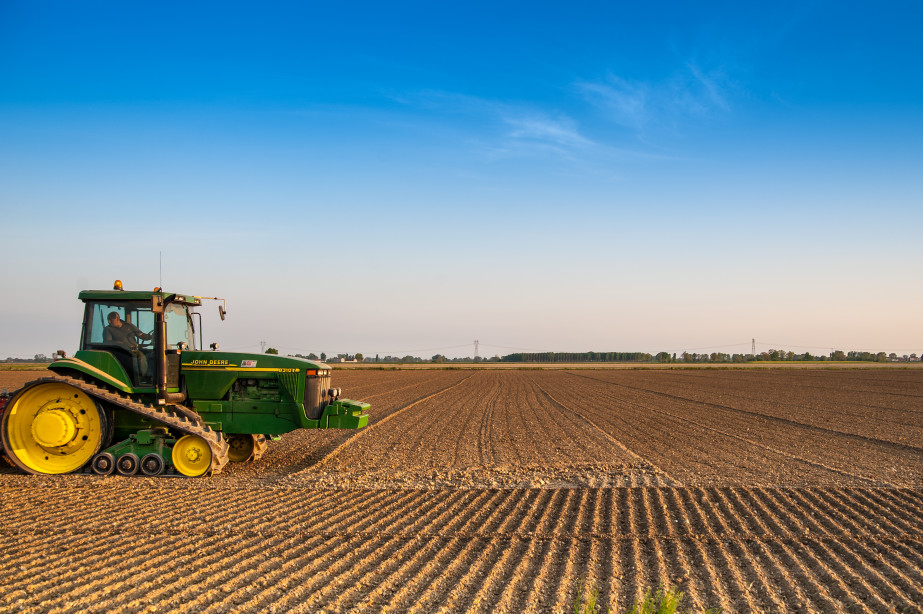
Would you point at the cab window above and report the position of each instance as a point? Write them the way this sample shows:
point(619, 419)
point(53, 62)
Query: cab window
point(97, 318)
point(179, 326)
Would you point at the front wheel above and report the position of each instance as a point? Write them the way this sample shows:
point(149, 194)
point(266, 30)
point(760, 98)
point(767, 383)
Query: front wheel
point(53, 427)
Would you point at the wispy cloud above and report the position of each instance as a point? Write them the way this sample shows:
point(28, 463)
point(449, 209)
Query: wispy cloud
point(516, 129)
point(502, 130)
point(561, 131)
point(628, 103)
point(691, 93)
point(712, 83)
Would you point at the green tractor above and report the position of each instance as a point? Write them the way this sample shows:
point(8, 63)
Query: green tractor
point(141, 396)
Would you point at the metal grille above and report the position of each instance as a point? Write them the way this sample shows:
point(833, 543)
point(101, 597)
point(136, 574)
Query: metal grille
point(315, 395)
point(172, 370)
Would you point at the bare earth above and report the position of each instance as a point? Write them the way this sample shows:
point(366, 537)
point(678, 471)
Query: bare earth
point(500, 490)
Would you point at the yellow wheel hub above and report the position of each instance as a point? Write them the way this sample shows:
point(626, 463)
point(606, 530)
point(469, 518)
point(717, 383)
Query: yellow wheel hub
point(191, 456)
point(52, 428)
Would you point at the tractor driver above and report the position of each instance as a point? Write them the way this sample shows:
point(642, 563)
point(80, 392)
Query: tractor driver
point(123, 334)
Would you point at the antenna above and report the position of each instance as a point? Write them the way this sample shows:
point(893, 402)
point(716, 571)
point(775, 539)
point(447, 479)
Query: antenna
point(262, 347)
point(161, 269)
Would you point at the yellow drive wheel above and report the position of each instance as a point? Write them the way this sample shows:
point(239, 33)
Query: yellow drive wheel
point(192, 456)
point(53, 427)
point(240, 448)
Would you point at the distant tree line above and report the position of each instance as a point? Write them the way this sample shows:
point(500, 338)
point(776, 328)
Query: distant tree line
point(784, 356)
point(36, 358)
point(714, 357)
point(578, 357)
point(639, 357)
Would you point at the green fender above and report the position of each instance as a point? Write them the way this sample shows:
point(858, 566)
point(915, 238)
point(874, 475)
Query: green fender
point(100, 366)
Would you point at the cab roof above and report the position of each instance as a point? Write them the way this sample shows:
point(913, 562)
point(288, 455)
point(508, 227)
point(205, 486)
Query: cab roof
point(134, 295)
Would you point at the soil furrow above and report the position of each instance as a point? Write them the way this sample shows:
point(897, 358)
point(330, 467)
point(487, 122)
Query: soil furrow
point(420, 589)
point(378, 424)
point(618, 444)
point(824, 558)
point(692, 555)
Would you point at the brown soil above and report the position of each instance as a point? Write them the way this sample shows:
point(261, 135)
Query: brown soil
point(500, 491)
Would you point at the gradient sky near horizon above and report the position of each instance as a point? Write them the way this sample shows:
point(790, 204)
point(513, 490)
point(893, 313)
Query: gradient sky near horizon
point(407, 177)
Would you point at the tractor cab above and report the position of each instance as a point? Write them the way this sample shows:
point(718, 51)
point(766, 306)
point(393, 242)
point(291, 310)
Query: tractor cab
point(128, 334)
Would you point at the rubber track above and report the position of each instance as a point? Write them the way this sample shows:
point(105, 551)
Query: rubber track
point(174, 420)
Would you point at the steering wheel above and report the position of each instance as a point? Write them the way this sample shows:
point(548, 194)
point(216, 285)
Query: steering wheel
point(146, 343)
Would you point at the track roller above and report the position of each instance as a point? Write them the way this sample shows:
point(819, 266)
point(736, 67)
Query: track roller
point(103, 464)
point(127, 464)
point(152, 464)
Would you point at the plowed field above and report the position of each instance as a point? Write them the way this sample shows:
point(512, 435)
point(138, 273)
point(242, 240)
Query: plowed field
point(500, 491)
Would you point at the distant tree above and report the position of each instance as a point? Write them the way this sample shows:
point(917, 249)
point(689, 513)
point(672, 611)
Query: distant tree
point(892, 356)
point(323, 356)
point(837, 355)
point(312, 356)
point(662, 357)
point(807, 356)
point(359, 357)
point(272, 351)
point(438, 358)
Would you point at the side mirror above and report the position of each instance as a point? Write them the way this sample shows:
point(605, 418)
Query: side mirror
point(221, 311)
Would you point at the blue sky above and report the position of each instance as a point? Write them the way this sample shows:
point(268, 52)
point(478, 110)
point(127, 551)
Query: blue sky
point(408, 177)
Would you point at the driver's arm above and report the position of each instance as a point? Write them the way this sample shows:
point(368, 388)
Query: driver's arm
point(137, 331)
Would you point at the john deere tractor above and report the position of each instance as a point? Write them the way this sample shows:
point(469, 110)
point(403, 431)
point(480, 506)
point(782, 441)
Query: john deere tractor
point(141, 396)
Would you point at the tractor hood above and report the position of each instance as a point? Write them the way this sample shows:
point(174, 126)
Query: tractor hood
point(252, 363)
point(210, 374)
